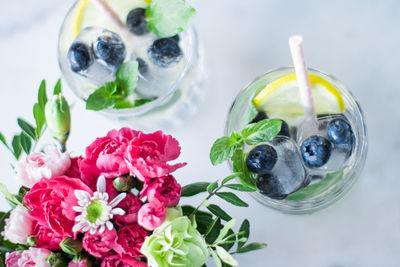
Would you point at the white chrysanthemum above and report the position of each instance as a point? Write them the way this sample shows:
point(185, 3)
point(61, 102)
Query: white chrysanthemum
point(96, 211)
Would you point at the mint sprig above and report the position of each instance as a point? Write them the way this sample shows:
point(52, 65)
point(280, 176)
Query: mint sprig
point(167, 18)
point(115, 94)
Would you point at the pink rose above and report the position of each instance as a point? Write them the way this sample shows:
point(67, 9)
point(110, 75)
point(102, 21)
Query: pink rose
point(131, 238)
point(13, 258)
point(18, 226)
point(166, 190)
point(105, 156)
point(131, 205)
point(152, 215)
point(117, 261)
point(148, 154)
point(73, 170)
point(46, 238)
point(34, 257)
point(52, 201)
point(100, 245)
point(52, 163)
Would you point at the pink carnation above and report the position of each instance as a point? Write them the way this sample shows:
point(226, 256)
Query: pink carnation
point(46, 238)
point(152, 215)
point(100, 245)
point(73, 170)
point(52, 163)
point(34, 257)
point(18, 226)
point(52, 201)
point(117, 261)
point(131, 238)
point(166, 190)
point(131, 205)
point(148, 154)
point(105, 156)
point(13, 258)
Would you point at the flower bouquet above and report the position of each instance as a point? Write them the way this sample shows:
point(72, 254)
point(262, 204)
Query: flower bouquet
point(118, 205)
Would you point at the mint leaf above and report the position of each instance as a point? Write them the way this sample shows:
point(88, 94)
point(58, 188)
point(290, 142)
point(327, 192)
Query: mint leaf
point(232, 198)
point(217, 211)
point(57, 88)
point(262, 131)
point(194, 189)
point(103, 97)
point(240, 166)
point(127, 77)
point(224, 148)
point(141, 102)
point(251, 246)
point(315, 189)
point(42, 95)
point(27, 128)
point(167, 18)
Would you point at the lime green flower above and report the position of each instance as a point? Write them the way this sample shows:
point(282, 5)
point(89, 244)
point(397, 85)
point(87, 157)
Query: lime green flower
point(175, 243)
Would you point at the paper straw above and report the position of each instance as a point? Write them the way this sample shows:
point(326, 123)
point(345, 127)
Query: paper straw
point(111, 13)
point(296, 49)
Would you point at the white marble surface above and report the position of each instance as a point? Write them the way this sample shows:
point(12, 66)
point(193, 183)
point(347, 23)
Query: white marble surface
point(357, 41)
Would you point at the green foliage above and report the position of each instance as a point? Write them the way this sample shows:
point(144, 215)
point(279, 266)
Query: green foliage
point(194, 189)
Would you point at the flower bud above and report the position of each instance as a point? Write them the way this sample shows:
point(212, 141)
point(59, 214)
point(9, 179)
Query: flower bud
point(58, 117)
point(71, 246)
point(124, 183)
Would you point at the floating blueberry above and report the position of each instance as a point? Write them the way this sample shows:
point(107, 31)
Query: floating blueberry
point(176, 38)
point(143, 67)
point(261, 115)
point(340, 133)
point(316, 151)
point(79, 57)
point(269, 185)
point(136, 21)
point(284, 129)
point(164, 52)
point(110, 48)
point(262, 159)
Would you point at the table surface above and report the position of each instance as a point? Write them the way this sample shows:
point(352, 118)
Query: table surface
point(357, 41)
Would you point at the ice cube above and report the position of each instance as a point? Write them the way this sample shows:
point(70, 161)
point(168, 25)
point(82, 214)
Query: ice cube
point(288, 175)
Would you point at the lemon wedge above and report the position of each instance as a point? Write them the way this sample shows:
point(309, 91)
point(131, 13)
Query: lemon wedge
point(281, 98)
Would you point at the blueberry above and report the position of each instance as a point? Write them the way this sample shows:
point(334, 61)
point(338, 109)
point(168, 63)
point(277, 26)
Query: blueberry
point(143, 67)
point(284, 129)
point(269, 185)
point(340, 133)
point(110, 48)
point(136, 21)
point(261, 115)
point(164, 52)
point(79, 57)
point(316, 151)
point(262, 159)
point(176, 38)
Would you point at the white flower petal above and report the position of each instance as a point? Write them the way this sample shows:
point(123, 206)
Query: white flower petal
point(86, 228)
point(93, 230)
point(109, 225)
point(82, 195)
point(118, 211)
point(101, 184)
point(79, 218)
point(77, 227)
point(117, 200)
point(77, 209)
point(102, 229)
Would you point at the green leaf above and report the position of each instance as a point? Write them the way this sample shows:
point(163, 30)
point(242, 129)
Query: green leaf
point(230, 177)
point(262, 131)
point(27, 128)
point(194, 189)
point(211, 187)
point(26, 143)
point(141, 102)
point(12, 200)
point(315, 189)
point(225, 230)
point(240, 187)
point(240, 166)
point(215, 257)
point(40, 118)
point(127, 77)
point(16, 144)
point(103, 97)
point(211, 226)
point(217, 211)
point(42, 95)
point(3, 140)
point(122, 104)
point(244, 232)
point(232, 198)
point(167, 18)
point(223, 148)
point(57, 88)
point(226, 257)
point(187, 210)
point(251, 246)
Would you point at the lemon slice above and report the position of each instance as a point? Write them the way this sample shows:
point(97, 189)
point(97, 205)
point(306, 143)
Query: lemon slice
point(88, 13)
point(281, 98)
